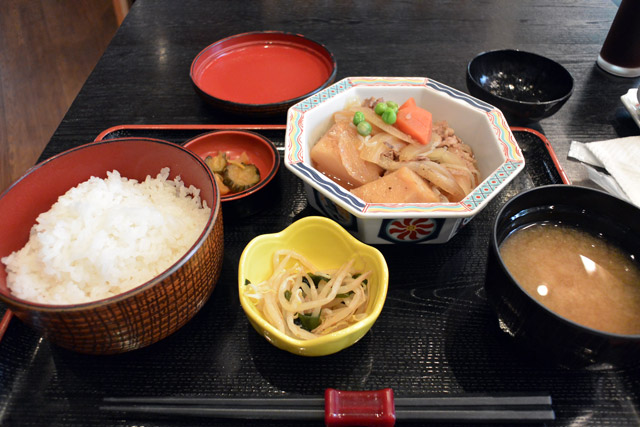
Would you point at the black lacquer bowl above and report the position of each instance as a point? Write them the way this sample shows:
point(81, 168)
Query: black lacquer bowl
point(543, 333)
point(525, 86)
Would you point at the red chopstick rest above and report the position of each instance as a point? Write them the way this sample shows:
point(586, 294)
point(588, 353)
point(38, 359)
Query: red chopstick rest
point(359, 408)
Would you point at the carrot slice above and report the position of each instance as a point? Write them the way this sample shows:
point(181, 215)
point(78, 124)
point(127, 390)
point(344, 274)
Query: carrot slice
point(409, 103)
point(415, 121)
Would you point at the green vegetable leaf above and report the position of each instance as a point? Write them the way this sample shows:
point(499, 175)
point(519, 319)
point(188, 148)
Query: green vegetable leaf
point(246, 282)
point(347, 295)
point(307, 322)
point(317, 278)
point(287, 294)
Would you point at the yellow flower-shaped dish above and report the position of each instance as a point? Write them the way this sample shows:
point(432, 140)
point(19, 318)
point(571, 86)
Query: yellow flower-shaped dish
point(327, 245)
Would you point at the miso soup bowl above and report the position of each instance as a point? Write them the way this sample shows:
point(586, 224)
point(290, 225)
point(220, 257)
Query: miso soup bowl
point(477, 123)
point(543, 333)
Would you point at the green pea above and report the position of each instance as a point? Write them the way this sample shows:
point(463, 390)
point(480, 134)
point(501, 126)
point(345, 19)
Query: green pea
point(392, 105)
point(389, 116)
point(364, 128)
point(358, 117)
point(381, 107)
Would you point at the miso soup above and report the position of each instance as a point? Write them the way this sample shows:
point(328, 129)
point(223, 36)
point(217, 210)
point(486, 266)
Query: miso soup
point(577, 275)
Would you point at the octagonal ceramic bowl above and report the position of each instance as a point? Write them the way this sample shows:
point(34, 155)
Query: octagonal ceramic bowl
point(478, 124)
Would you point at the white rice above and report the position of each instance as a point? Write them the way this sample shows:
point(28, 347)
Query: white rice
point(106, 236)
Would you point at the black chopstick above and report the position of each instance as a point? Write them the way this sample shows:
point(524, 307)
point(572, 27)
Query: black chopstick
point(310, 408)
point(451, 408)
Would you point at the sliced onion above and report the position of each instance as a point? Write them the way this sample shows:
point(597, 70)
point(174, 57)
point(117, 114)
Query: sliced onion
point(463, 176)
point(379, 144)
point(439, 176)
point(415, 152)
point(373, 152)
point(444, 156)
point(343, 116)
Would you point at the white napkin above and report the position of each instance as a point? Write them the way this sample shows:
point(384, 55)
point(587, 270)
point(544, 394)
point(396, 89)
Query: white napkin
point(632, 104)
point(620, 157)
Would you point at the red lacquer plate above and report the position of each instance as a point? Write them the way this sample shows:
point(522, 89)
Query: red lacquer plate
point(261, 73)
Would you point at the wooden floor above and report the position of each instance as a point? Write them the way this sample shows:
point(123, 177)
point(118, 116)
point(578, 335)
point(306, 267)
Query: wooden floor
point(47, 51)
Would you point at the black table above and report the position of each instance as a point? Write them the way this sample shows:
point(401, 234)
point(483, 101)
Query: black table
point(143, 78)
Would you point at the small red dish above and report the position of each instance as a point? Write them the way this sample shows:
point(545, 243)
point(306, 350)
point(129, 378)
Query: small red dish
point(262, 153)
point(261, 73)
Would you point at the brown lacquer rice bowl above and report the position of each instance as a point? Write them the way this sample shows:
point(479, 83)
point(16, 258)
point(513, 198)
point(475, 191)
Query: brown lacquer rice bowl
point(541, 332)
point(147, 313)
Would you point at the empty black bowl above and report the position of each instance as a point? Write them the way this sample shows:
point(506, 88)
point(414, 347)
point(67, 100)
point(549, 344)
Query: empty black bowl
point(525, 86)
point(538, 330)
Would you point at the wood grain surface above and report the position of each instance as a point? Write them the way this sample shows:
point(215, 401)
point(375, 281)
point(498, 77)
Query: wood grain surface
point(47, 50)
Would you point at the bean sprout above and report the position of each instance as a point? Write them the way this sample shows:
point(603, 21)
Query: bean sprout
point(304, 302)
